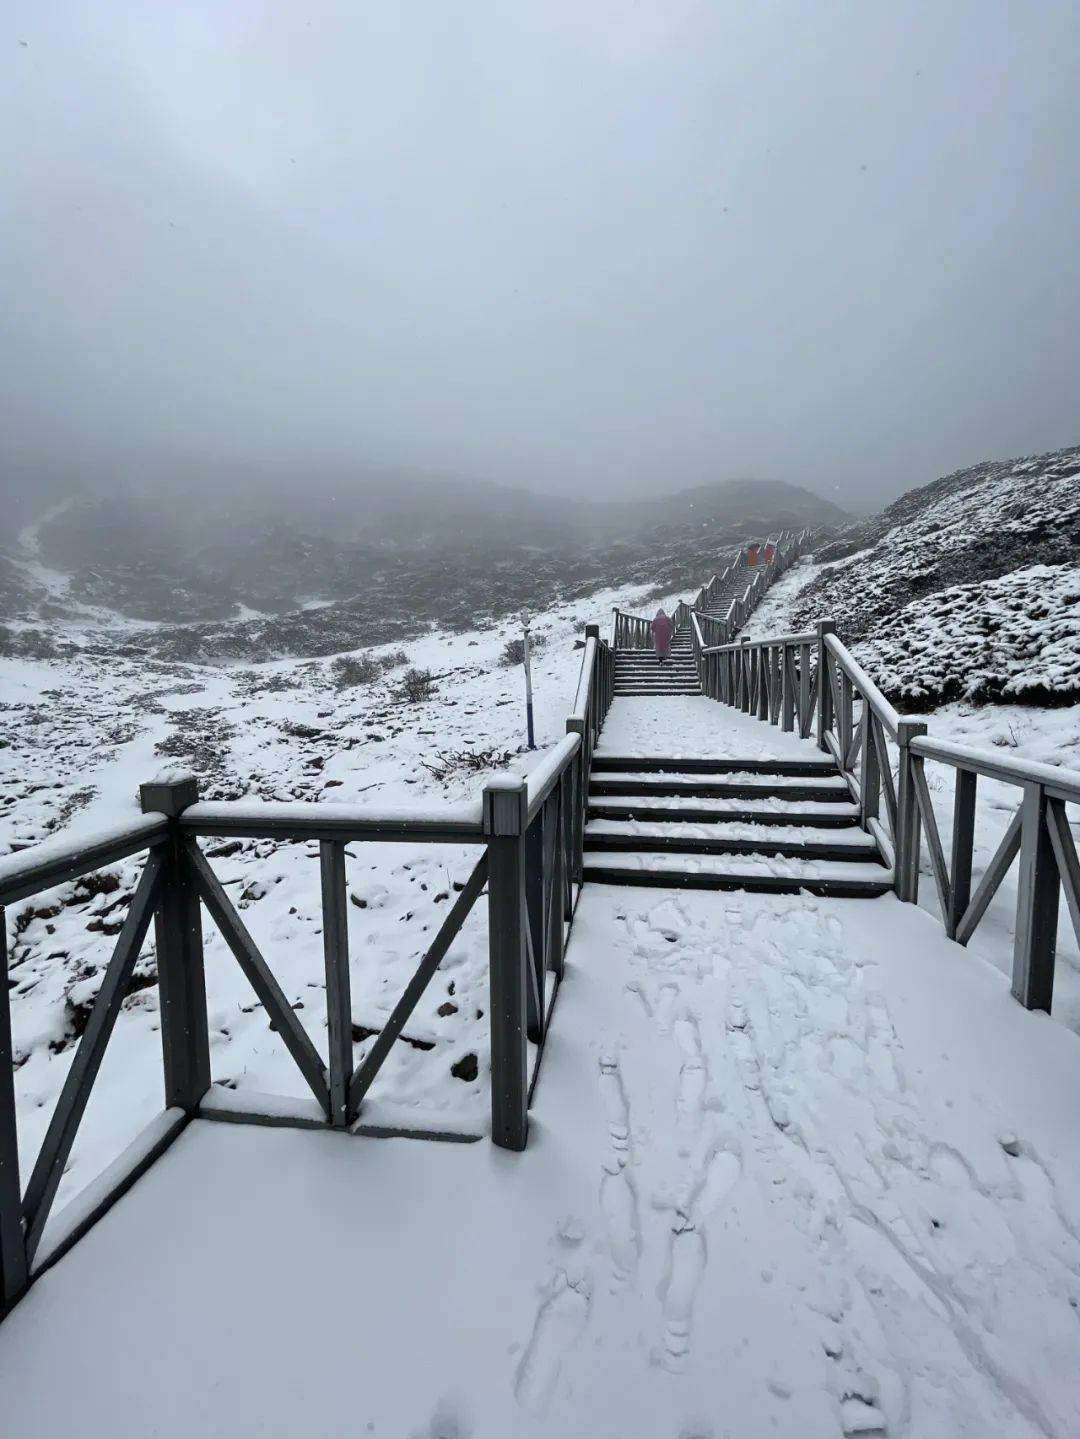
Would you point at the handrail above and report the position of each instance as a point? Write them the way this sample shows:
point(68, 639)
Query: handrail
point(588, 662)
point(543, 778)
point(56, 861)
point(300, 820)
point(1058, 782)
point(886, 712)
point(747, 643)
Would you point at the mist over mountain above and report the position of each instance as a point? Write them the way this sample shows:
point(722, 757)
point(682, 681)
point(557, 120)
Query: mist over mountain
point(192, 553)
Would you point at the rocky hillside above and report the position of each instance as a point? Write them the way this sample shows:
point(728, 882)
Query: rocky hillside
point(965, 588)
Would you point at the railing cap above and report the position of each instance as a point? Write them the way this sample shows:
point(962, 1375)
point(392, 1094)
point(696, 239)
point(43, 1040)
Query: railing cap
point(170, 792)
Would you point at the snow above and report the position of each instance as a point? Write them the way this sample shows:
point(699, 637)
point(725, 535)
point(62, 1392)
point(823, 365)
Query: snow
point(763, 804)
point(1014, 638)
point(695, 782)
point(298, 812)
point(796, 1166)
point(778, 866)
point(691, 727)
point(854, 838)
point(62, 1226)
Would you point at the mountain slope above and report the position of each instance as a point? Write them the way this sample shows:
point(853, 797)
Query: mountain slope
point(965, 588)
point(396, 544)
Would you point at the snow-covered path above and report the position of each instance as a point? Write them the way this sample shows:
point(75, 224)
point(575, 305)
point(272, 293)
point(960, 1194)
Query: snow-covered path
point(796, 1166)
point(693, 727)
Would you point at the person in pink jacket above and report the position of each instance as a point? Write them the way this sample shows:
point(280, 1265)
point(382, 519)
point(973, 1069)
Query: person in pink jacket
point(662, 630)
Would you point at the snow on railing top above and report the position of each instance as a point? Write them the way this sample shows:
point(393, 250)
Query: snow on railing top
point(305, 819)
point(56, 861)
point(1060, 782)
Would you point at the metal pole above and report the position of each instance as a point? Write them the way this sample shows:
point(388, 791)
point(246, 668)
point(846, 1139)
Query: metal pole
point(528, 683)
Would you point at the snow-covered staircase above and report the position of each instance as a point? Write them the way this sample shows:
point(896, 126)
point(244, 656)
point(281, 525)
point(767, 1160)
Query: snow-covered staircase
point(731, 586)
point(772, 826)
point(639, 672)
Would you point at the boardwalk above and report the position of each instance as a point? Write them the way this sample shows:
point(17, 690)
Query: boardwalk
point(796, 1165)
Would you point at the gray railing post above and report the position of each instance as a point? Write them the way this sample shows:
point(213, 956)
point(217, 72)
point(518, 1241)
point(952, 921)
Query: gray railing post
point(1035, 943)
point(907, 837)
point(13, 1275)
point(185, 1042)
point(592, 632)
point(335, 918)
point(505, 815)
point(804, 691)
point(870, 771)
point(787, 687)
point(963, 844)
point(825, 704)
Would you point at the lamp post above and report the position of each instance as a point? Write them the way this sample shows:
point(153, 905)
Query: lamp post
point(528, 681)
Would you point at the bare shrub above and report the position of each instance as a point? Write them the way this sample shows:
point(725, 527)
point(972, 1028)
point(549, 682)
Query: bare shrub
point(466, 761)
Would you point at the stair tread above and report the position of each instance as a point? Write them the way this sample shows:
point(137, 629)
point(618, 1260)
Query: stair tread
point(780, 867)
point(770, 804)
point(855, 839)
point(694, 783)
point(604, 764)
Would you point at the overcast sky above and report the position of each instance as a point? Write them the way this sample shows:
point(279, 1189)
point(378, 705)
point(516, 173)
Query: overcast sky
point(569, 244)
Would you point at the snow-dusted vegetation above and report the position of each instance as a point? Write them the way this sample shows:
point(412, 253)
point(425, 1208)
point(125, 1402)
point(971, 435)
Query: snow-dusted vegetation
point(966, 588)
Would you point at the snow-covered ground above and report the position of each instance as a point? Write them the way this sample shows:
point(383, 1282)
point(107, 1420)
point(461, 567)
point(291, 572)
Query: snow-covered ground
point(797, 1167)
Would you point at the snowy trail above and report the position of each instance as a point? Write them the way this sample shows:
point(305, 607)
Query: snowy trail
point(796, 1166)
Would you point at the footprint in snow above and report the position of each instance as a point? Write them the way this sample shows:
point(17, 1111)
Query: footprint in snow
point(560, 1322)
point(687, 1258)
point(619, 1205)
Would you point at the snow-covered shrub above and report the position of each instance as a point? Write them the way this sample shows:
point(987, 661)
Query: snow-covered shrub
point(349, 670)
point(1012, 640)
point(965, 588)
point(416, 686)
point(514, 650)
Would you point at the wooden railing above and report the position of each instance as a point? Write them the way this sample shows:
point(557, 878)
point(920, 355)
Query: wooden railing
point(810, 684)
point(709, 631)
point(631, 632)
point(634, 632)
point(529, 831)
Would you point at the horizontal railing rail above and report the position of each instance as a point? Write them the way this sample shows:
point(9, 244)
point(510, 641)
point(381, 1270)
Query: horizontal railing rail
point(531, 832)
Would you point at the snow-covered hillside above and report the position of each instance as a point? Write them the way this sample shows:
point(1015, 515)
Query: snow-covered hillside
point(965, 589)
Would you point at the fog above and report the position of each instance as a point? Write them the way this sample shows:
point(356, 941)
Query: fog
point(575, 245)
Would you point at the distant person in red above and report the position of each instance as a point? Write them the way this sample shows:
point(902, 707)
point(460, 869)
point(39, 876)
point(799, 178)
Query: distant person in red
point(768, 554)
point(662, 630)
point(751, 554)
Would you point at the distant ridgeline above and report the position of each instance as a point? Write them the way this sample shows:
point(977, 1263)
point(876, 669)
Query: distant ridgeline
point(235, 579)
